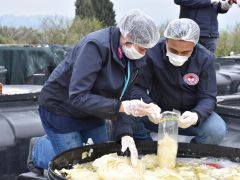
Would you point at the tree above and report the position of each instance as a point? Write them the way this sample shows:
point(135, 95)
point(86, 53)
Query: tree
point(224, 44)
point(229, 41)
point(21, 35)
point(84, 8)
point(81, 27)
point(100, 9)
point(236, 38)
point(104, 12)
point(60, 30)
point(54, 30)
point(162, 27)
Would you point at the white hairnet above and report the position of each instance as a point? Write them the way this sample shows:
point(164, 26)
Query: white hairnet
point(183, 29)
point(140, 27)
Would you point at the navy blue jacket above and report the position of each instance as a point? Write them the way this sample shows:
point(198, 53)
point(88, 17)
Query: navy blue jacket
point(87, 84)
point(203, 13)
point(168, 86)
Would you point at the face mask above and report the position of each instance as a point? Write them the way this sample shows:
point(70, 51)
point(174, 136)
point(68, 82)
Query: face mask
point(132, 53)
point(176, 60)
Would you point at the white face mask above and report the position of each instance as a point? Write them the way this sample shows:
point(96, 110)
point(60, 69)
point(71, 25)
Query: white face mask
point(132, 53)
point(176, 60)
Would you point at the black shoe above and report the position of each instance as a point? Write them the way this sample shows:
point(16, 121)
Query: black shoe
point(30, 164)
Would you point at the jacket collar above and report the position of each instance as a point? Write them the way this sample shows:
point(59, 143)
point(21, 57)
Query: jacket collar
point(141, 62)
point(114, 44)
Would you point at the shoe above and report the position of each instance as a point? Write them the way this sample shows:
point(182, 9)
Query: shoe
point(30, 164)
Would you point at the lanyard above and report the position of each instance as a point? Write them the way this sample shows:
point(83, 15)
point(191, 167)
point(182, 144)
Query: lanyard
point(126, 80)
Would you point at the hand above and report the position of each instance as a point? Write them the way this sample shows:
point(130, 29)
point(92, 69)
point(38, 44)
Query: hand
point(215, 2)
point(155, 115)
point(187, 119)
point(226, 5)
point(235, 2)
point(238, 3)
point(232, 1)
point(136, 108)
point(128, 142)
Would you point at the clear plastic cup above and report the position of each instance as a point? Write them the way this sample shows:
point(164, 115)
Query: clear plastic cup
point(167, 140)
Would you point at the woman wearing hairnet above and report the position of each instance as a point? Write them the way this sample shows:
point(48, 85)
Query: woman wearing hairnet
point(180, 75)
point(89, 86)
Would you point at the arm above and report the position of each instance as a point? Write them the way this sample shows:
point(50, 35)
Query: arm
point(193, 3)
point(122, 132)
point(122, 126)
point(143, 84)
point(85, 71)
point(207, 92)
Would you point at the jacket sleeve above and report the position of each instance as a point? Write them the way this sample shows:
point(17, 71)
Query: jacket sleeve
point(207, 92)
point(193, 3)
point(122, 126)
point(143, 84)
point(89, 60)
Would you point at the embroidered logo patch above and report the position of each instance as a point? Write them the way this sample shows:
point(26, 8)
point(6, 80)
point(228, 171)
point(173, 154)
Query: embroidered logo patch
point(191, 79)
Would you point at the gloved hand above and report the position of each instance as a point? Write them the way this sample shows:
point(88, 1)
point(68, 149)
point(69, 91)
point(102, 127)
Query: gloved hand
point(128, 142)
point(232, 1)
point(136, 108)
point(235, 2)
point(225, 5)
point(187, 119)
point(238, 3)
point(155, 115)
point(215, 1)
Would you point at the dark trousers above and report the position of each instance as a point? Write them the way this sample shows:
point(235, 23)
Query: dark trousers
point(209, 43)
point(211, 131)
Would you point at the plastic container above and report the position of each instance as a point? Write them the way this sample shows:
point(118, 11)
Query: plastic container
point(186, 150)
point(167, 140)
point(228, 107)
point(19, 122)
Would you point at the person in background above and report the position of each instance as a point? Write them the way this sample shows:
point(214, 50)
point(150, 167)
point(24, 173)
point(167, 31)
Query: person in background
point(204, 13)
point(91, 85)
point(180, 76)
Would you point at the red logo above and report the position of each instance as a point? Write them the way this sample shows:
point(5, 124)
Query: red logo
point(191, 79)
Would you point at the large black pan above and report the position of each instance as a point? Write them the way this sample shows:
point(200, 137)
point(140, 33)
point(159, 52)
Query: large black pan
point(73, 156)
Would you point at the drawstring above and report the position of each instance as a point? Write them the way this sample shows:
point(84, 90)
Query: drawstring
point(126, 80)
